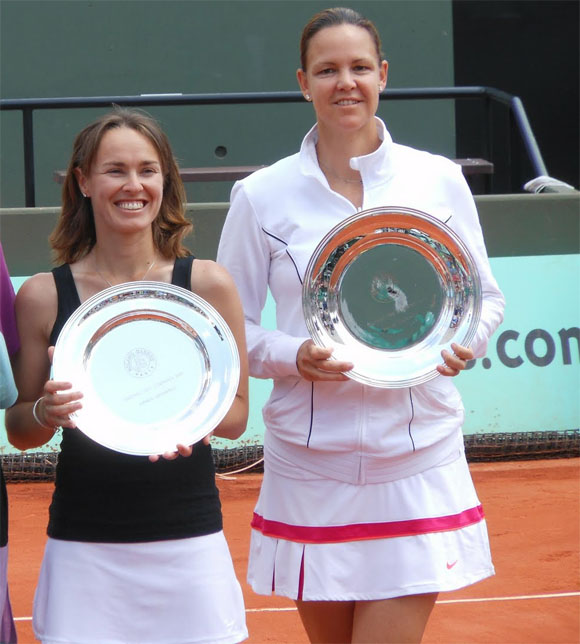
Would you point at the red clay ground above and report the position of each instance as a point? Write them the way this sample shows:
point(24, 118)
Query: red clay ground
point(533, 514)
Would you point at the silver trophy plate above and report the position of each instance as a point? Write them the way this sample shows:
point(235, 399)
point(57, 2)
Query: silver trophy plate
point(158, 366)
point(390, 288)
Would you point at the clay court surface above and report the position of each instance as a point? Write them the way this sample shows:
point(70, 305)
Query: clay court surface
point(533, 514)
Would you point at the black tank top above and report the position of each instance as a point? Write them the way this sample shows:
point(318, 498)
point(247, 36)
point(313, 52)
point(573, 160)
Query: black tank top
point(104, 496)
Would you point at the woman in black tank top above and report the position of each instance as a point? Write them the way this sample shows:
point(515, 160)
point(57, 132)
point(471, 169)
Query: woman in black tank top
point(123, 220)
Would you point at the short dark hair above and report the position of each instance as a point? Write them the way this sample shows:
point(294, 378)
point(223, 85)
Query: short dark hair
point(75, 235)
point(333, 18)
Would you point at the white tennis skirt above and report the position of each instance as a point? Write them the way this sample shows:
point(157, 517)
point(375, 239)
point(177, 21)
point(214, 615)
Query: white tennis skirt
point(182, 591)
point(318, 539)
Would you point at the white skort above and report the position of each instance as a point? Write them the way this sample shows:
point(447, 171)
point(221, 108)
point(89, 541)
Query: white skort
point(181, 591)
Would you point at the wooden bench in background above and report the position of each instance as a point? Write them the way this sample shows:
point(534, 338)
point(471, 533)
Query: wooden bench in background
point(470, 168)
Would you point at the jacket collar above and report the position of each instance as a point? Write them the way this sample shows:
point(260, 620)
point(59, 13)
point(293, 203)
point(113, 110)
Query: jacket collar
point(375, 167)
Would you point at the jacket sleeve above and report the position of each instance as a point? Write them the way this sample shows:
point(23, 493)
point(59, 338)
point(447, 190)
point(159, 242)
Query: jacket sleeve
point(465, 222)
point(245, 252)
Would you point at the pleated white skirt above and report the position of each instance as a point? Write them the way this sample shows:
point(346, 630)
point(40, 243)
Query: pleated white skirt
point(319, 539)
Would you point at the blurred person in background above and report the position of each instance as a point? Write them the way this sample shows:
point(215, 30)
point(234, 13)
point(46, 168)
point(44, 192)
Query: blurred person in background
point(9, 344)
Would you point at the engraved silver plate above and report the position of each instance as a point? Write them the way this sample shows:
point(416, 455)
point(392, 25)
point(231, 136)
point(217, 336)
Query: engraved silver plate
point(390, 288)
point(158, 366)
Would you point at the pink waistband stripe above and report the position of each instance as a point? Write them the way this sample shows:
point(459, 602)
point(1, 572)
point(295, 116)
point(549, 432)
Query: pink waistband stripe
point(361, 531)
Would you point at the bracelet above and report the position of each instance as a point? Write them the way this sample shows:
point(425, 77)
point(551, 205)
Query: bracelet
point(37, 419)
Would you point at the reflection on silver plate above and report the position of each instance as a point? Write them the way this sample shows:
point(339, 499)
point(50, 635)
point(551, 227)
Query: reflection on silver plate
point(390, 288)
point(156, 363)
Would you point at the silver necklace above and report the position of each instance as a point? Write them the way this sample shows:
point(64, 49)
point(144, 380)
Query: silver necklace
point(109, 283)
point(337, 176)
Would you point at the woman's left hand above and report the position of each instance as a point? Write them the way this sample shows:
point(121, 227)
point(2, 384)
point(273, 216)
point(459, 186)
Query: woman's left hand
point(181, 450)
point(456, 361)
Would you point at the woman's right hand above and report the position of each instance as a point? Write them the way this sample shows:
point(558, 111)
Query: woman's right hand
point(315, 363)
point(57, 403)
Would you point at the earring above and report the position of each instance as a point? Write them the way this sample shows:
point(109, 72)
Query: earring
point(307, 97)
point(84, 195)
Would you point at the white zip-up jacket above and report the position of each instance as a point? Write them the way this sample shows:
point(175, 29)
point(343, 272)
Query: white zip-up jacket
point(344, 430)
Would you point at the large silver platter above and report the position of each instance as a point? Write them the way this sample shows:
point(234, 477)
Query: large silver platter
point(156, 363)
point(390, 288)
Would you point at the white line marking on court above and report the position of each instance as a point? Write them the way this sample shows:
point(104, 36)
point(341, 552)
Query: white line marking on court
point(441, 601)
point(506, 599)
point(270, 610)
point(445, 601)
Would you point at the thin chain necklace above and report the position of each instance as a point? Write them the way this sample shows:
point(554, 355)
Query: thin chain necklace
point(337, 176)
point(109, 283)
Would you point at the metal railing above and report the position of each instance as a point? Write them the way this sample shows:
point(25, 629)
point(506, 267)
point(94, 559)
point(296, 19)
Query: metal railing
point(487, 94)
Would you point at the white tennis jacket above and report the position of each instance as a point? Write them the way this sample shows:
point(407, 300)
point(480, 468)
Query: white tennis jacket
point(345, 430)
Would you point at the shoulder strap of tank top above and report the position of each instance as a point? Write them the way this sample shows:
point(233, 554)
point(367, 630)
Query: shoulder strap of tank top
point(182, 272)
point(68, 298)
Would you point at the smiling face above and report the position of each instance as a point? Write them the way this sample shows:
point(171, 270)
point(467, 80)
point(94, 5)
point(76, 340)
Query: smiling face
point(125, 181)
point(343, 78)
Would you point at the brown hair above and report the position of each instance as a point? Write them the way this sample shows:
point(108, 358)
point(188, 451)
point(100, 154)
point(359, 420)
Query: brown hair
point(74, 235)
point(333, 18)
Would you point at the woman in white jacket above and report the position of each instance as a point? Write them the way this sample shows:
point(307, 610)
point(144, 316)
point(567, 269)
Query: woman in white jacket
point(367, 509)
